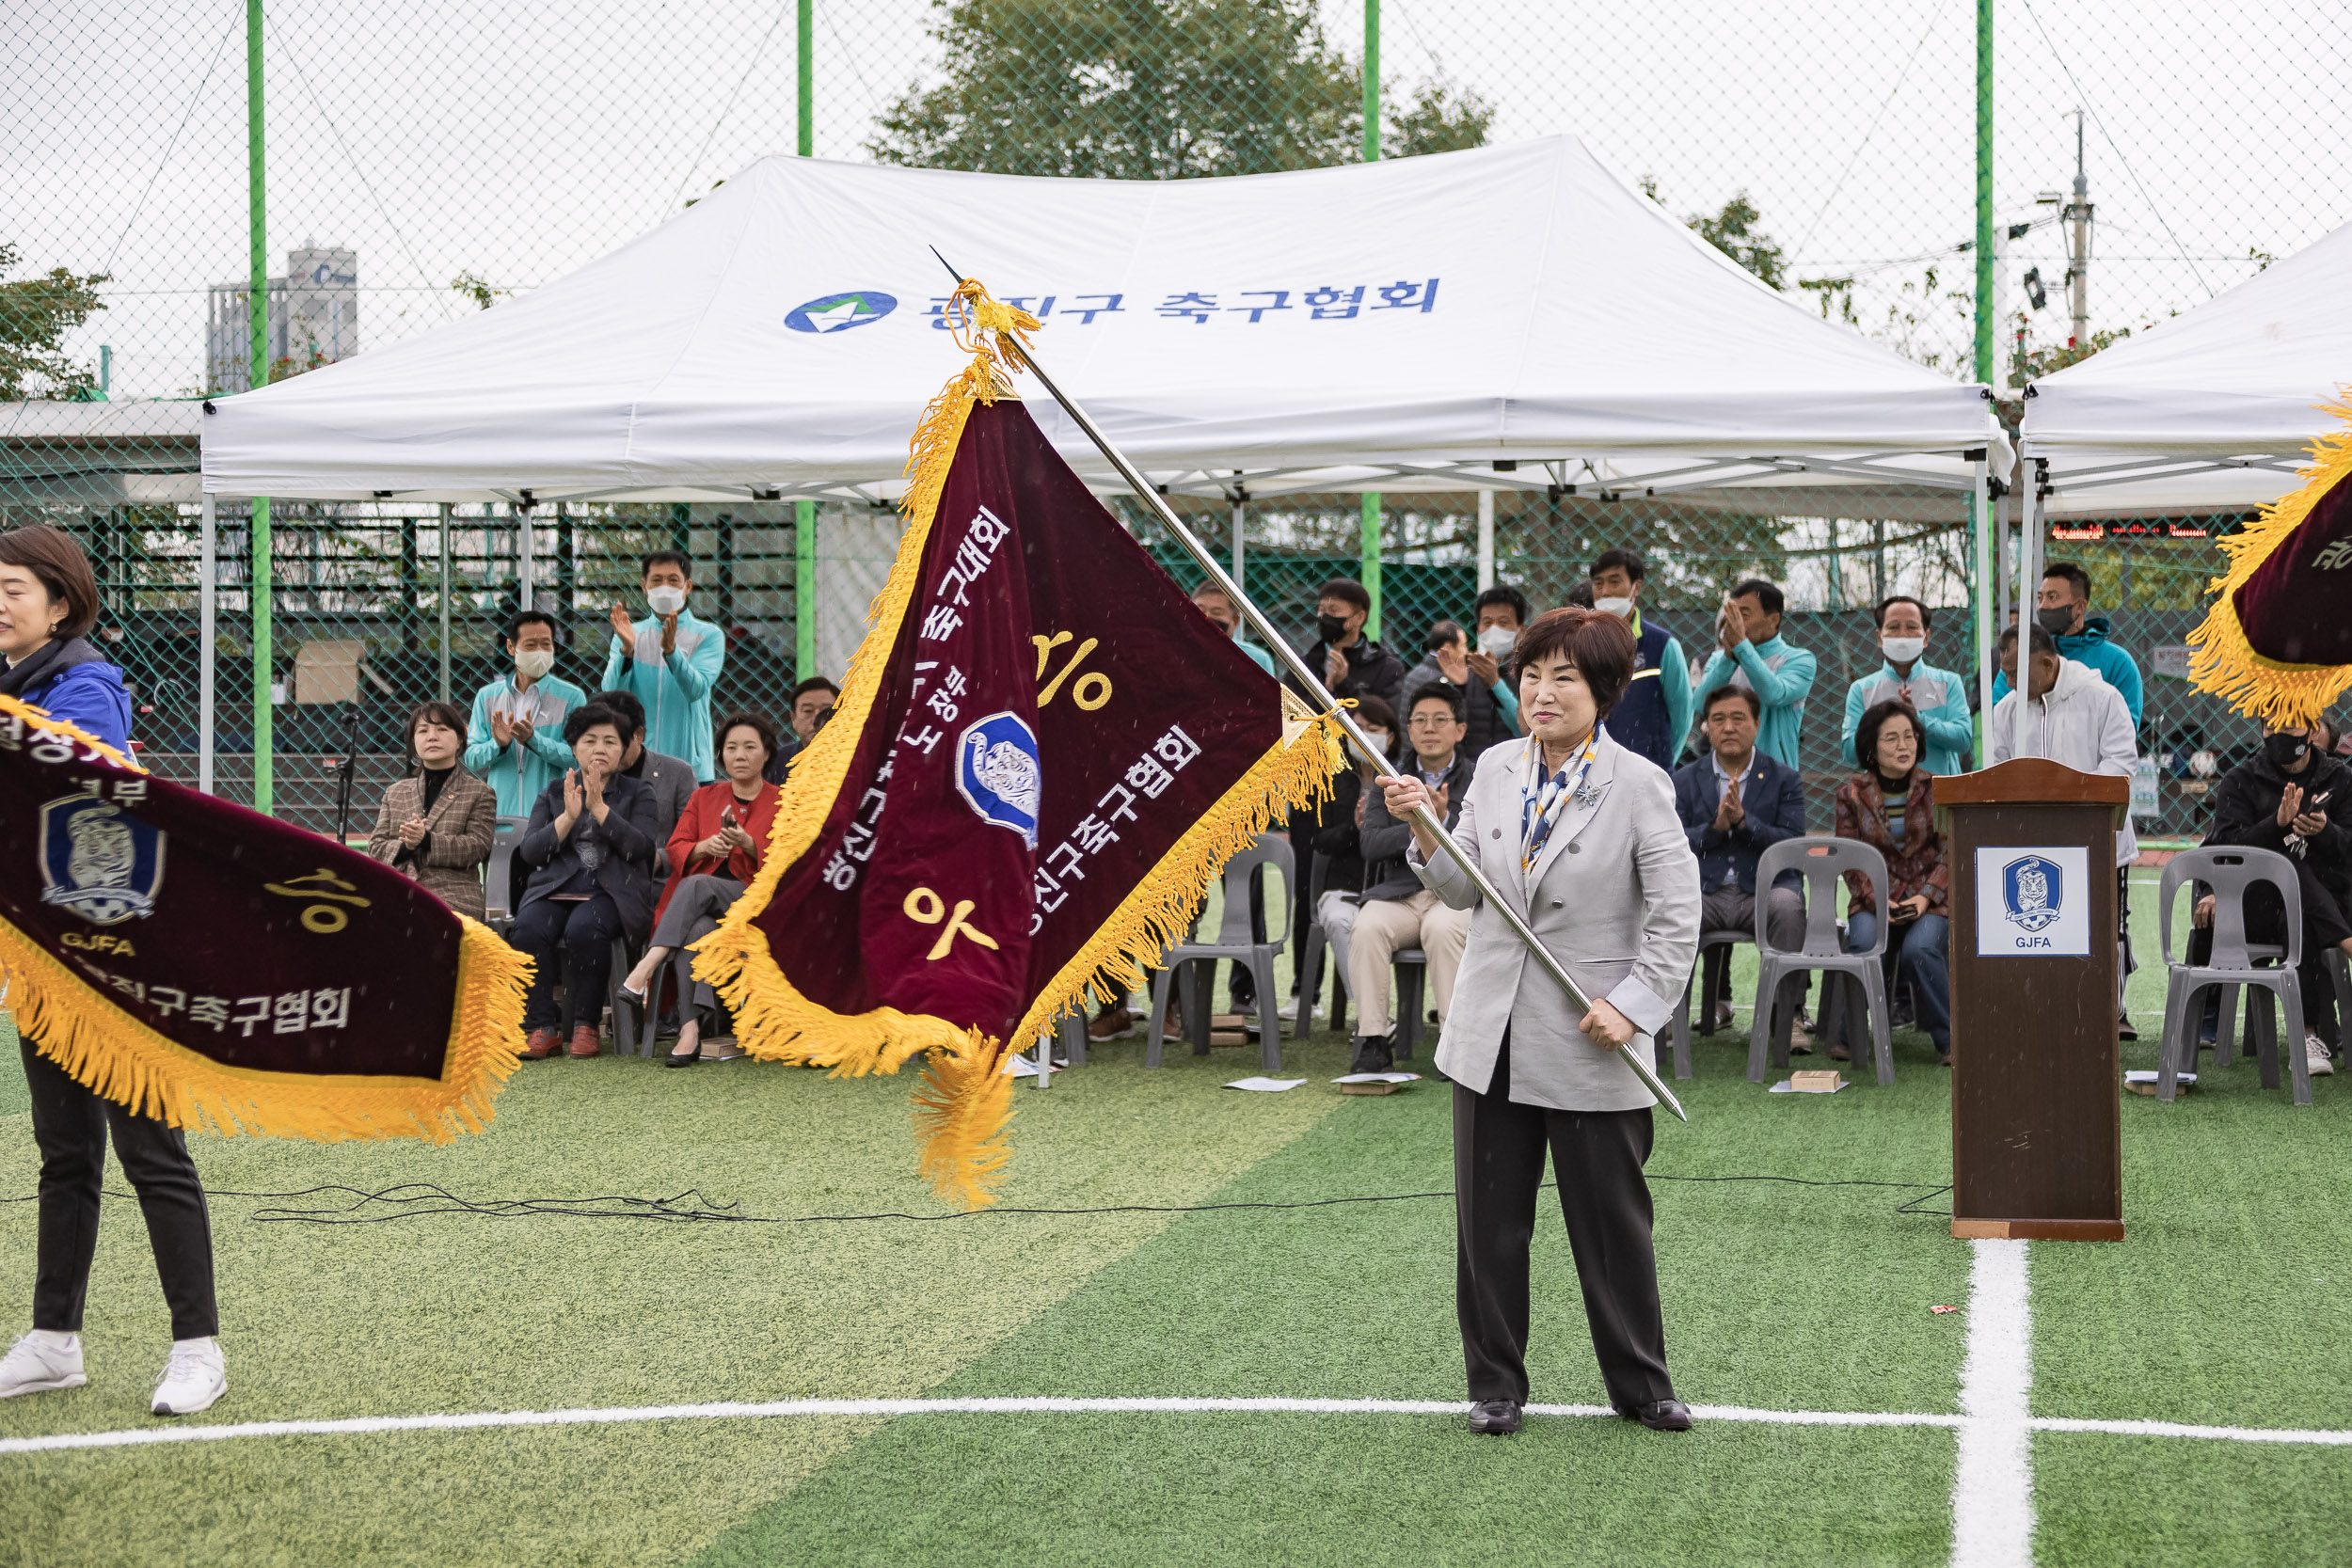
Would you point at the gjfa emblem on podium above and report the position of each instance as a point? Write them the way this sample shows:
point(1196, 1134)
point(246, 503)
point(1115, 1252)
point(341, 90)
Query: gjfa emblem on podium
point(2033, 900)
point(2033, 892)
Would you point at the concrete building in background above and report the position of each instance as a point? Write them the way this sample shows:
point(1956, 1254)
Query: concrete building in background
point(314, 317)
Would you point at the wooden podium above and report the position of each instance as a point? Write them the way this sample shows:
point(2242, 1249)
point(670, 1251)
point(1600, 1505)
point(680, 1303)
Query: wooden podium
point(2036, 1073)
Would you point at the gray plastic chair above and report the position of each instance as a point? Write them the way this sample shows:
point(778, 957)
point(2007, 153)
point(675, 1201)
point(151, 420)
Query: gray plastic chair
point(497, 876)
point(1234, 942)
point(2228, 871)
point(1712, 976)
point(1822, 862)
point(1409, 967)
point(1312, 944)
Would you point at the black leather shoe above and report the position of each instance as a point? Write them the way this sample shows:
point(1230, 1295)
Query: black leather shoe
point(683, 1058)
point(1661, 1416)
point(1501, 1417)
point(1372, 1054)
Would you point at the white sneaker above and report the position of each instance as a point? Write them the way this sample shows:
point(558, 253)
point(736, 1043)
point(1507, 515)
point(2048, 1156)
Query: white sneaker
point(42, 1360)
point(193, 1378)
point(2315, 1056)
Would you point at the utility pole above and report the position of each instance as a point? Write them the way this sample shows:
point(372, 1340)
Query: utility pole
point(2077, 217)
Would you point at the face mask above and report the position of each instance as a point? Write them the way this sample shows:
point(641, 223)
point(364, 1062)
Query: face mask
point(1379, 739)
point(666, 600)
point(531, 663)
point(2056, 622)
point(1496, 643)
point(1331, 628)
point(1903, 650)
point(1621, 609)
point(2284, 750)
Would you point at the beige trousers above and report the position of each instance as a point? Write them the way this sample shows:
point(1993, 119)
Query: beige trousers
point(1384, 925)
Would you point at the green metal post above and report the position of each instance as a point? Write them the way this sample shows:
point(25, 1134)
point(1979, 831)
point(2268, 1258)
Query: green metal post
point(1369, 570)
point(808, 78)
point(1988, 309)
point(804, 588)
point(257, 375)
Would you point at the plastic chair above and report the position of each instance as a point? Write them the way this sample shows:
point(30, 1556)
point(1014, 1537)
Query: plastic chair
point(497, 876)
point(1410, 966)
point(1712, 977)
point(1822, 862)
point(2228, 871)
point(1232, 941)
point(1312, 944)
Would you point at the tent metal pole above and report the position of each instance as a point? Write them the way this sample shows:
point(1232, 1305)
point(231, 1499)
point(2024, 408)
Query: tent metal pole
point(208, 572)
point(1241, 510)
point(2032, 552)
point(1486, 540)
point(445, 510)
point(1310, 682)
point(526, 558)
point(1980, 503)
point(804, 588)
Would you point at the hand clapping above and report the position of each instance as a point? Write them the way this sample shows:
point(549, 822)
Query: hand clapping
point(412, 832)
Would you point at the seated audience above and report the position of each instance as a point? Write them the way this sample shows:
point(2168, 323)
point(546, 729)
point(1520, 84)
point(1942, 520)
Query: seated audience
point(1395, 911)
point(812, 700)
point(1734, 804)
point(1889, 805)
point(671, 779)
point(1337, 831)
point(714, 852)
point(1447, 668)
point(590, 847)
point(2295, 796)
point(437, 824)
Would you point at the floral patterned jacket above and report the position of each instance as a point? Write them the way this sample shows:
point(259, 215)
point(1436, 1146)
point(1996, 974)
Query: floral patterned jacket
point(1915, 865)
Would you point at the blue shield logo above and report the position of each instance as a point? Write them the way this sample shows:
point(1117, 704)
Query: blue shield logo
point(839, 312)
point(998, 773)
point(99, 861)
point(2033, 893)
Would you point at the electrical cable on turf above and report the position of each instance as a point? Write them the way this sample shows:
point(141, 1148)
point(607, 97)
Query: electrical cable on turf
point(421, 1200)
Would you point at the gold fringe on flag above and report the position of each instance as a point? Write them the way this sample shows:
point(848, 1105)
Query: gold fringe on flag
point(121, 1058)
point(965, 1103)
point(2225, 662)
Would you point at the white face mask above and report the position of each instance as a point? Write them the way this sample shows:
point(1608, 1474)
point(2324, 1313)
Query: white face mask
point(666, 600)
point(531, 663)
point(1380, 739)
point(1903, 650)
point(1496, 643)
point(1621, 609)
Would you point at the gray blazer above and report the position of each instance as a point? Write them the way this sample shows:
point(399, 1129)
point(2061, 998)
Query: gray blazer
point(672, 781)
point(1615, 898)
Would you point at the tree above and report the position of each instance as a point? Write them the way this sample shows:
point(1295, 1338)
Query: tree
point(1150, 89)
point(35, 314)
point(1733, 232)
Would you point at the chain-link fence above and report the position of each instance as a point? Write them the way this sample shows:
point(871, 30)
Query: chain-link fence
point(386, 169)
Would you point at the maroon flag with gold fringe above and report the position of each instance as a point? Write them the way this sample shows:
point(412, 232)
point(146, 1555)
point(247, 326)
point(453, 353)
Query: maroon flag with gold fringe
point(1043, 755)
point(2278, 641)
point(208, 965)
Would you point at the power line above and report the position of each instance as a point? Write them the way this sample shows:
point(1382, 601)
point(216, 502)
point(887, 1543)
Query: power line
point(235, 13)
point(1855, 156)
point(728, 108)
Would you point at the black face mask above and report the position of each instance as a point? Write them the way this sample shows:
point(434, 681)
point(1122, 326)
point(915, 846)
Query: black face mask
point(2285, 751)
point(2057, 623)
point(1332, 627)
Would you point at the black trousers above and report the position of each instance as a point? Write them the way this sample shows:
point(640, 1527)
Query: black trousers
point(581, 935)
point(69, 1126)
point(2325, 925)
point(1598, 1156)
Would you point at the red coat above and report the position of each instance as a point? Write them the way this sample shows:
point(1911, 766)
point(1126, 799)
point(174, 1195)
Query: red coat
point(700, 820)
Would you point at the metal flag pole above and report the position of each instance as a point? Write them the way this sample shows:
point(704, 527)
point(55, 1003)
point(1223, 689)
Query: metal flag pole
point(1280, 646)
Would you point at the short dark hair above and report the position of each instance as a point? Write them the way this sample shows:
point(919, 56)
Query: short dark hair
point(522, 618)
point(1347, 589)
point(756, 722)
point(444, 714)
point(1580, 594)
point(1745, 694)
point(625, 706)
point(1441, 634)
point(1874, 718)
point(1767, 594)
point(1436, 693)
point(586, 717)
point(1628, 559)
point(1927, 622)
point(1502, 593)
point(813, 683)
point(665, 557)
point(1601, 646)
point(2037, 640)
point(51, 555)
point(2074, 574)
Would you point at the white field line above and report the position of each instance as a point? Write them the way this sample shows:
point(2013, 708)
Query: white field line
point(1993, 1483)
point(366, 1425)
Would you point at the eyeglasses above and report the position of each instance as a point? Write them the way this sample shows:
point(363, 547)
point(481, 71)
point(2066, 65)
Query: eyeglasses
point(1430, 721)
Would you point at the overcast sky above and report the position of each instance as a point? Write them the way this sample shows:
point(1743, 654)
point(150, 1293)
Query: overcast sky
point(520, 139)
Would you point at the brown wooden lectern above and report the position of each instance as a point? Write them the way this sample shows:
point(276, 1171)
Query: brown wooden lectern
point(2037, 1073)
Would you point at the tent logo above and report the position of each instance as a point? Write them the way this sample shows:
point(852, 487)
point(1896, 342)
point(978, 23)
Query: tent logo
point(839, 312)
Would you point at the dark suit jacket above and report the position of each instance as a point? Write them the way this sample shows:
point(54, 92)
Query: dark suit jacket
point(1773, 797)
point(628, 834)
point(673, 783)
point(1384, 838)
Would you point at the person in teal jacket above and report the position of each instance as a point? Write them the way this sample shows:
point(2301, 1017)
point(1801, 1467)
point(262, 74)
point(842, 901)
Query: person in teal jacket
point(670, 663)
point(1752, 652)
point(2062, 608)
point(514, 741)
point(1937, 696)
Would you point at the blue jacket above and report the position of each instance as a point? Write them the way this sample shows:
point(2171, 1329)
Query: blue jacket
point(675, 689)
point(87, 692)
point(1653, 715)
point(1942, 703)
point(1773, 799)
point(2090, 649)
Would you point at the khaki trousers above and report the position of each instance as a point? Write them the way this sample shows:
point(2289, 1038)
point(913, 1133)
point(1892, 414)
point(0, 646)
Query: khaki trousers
point(1384, 925)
